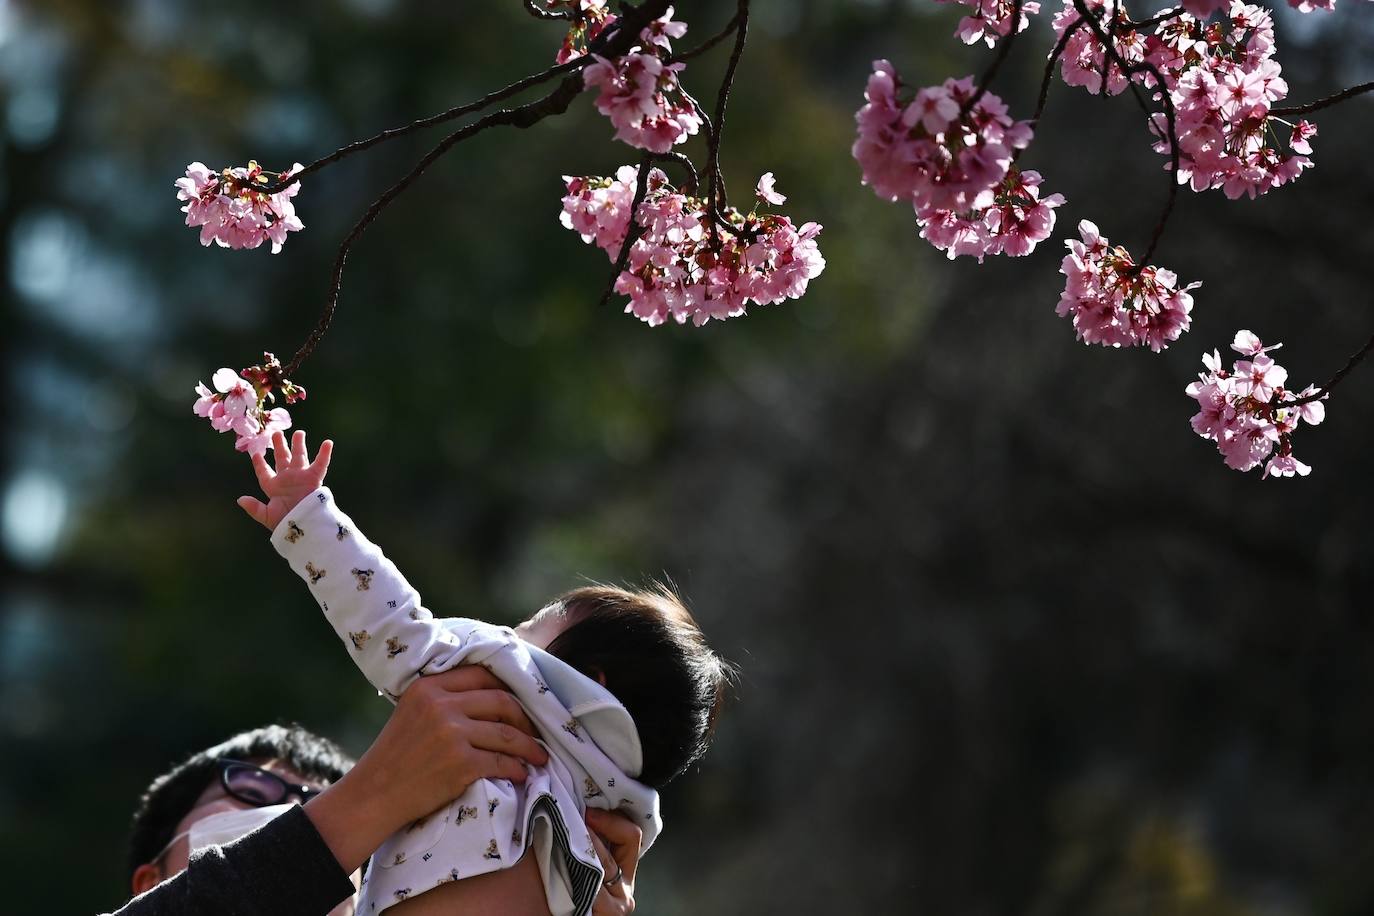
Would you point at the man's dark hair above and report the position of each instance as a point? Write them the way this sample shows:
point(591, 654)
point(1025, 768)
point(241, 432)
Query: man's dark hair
point(654, 658)
point(172, 794)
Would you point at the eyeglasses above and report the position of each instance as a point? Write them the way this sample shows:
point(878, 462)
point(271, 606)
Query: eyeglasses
point(258, 787)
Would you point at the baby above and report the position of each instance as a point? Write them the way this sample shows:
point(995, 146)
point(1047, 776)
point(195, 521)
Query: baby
point(620, 684)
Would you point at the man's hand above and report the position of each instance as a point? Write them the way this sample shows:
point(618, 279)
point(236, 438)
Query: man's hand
point(295, 478)
point(617, 840)
point(448, 730)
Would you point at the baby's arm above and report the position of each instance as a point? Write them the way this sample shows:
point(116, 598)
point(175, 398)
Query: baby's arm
point(374, 610)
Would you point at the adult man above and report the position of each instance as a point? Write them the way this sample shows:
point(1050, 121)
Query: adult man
point(253, 772)
point(447, 730)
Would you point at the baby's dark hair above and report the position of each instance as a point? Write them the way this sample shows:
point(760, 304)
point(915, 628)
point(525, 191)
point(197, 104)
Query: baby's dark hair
point(650, 653)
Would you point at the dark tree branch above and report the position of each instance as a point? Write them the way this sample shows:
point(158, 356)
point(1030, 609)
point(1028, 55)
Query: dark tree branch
point(1129, 70)
point(1158, 19)
point(1111, 56)
point(555, 102)
point(1003, 49)
point(1326, 102)
point(709, 43)
point(713, 176)
point(485, 101)
point(527, 115)
point(717, 217)
point(688, 167)
point(612, 41)
point(1171, 126)
point(633, 230)
point(1057, 53)
point(539, 12)
point(1336, 379)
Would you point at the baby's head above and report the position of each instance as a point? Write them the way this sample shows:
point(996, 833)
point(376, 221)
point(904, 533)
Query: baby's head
point(646, 649)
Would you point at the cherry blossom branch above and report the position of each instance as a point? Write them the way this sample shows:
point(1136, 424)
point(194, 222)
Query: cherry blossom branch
point(908, 152)
point(716, 125)
point(1112, 56)
point(1129, 70)
point(600, 44)
point(1158, 19)
point(717, 217)
point(688, 167)
point(527, 115)
point(1172, 127)
point(1057, 53)
point(392, 133)
point(1326, 102)
point(633, 230)
point(709, 43)
point(1336, 379)
point(539, 12)
point(1003, 49)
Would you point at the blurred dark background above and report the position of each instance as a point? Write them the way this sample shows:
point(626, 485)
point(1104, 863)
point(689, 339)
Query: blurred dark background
point(1012, 639)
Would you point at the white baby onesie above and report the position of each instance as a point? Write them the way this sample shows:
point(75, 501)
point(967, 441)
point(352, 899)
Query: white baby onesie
point(593, 746)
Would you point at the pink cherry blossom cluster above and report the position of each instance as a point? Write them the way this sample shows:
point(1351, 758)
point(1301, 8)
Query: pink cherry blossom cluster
point(675, 267)
point(1247, 412)
point(640, 92)
point(930, 150)
point(1016, 221)
point(231, 212)
point(240, 403)
point(587, 20)
point(1085, 59)
point(1202, 9)
point(1117, 304)
point(991, 19)
point(1223, 80)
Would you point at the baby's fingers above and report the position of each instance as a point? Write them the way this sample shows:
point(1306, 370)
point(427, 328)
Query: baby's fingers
point(281, 455)
point(298, 450)
point(263, 472)
point(255, 509)
point(321, 463)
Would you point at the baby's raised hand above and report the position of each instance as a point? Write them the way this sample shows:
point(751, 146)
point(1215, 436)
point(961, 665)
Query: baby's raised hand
point(294, 479)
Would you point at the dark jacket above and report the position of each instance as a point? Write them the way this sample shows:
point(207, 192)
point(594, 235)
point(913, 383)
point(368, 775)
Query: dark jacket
point(283, 868)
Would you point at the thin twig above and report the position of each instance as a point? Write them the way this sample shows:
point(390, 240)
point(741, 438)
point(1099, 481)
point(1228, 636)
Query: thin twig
point(1157, 19)
point(693, 180)
point(1335, 380)
point(717, 217)
point(527, 115)
point(1003, 48)
point(1057, 53)
point(1326, 102)
point(633, 229)
point(1129, 70)
point(717, 127)
point(539, 12)
point(485, 101)
point(1171, 125)
point(708, 44)
point(1112, 28)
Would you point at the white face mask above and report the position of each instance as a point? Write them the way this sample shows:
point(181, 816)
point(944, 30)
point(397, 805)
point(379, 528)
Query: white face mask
point(226, 826)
